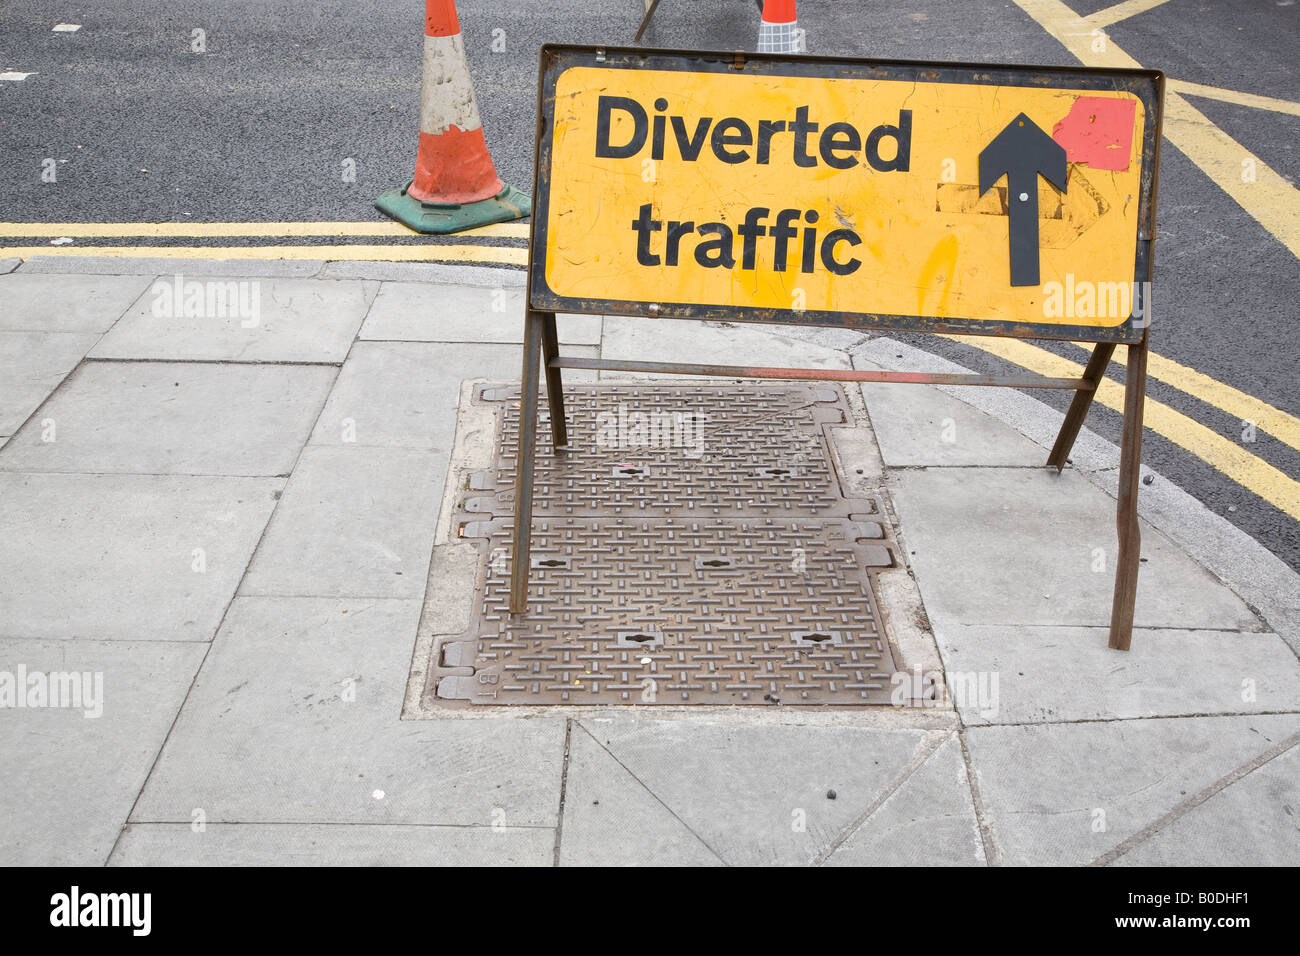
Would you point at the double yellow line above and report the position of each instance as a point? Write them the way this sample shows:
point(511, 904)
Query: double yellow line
point(1264, 194)
point(1255, 186)
point(1226, 456)
point(1252, 473)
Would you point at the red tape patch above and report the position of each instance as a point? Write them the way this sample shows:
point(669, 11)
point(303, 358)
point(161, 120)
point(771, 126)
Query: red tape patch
point(1098, 131)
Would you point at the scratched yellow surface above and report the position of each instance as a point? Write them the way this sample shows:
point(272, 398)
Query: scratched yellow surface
point(930, 245)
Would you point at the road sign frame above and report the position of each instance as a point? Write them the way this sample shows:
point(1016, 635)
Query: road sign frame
point(541, 347)
point(1146, 85)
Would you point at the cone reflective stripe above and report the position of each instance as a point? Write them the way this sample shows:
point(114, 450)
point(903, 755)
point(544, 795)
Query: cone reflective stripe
point(453, 164)
point(456, 184)
point(779, 31)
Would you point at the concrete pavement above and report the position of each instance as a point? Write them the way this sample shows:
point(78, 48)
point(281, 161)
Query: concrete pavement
point(236, 529)
point(271, 79)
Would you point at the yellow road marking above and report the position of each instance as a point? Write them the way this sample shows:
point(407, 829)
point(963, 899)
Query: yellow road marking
point(1234, 96)
point(1252, 473)
point(1238, 404)
point(113, 230)
point(512, 255)
point(1121, 11)
point(1257, 188)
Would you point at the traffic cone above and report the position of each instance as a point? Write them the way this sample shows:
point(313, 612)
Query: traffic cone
point(455, 186)
point(779, 32)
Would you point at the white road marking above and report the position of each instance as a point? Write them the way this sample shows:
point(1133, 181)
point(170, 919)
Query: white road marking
point(66, 27)
point(18, 77)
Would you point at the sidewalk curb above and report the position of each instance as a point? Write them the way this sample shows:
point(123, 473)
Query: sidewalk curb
point(165, 266)
point(492, 277)
point(436, 272)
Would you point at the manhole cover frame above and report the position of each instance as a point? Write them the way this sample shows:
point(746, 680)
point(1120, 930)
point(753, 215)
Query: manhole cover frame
point(488, 502)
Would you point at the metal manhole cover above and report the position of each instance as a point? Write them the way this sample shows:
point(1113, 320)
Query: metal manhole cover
point(690, 593)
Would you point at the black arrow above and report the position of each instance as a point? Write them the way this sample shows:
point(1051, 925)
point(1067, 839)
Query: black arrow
point(1023, 152)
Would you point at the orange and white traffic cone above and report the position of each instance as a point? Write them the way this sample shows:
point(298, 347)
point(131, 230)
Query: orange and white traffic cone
point(456, 185)
point(779, 32)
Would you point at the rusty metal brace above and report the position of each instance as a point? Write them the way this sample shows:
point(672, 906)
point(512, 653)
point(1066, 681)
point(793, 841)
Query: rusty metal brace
point(651, 6)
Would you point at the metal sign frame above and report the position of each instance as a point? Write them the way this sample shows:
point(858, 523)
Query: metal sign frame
point(1146, 85)
point(541, 344)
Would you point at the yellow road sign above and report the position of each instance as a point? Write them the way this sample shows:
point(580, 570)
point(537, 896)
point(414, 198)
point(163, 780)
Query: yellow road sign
point(998, 200)
point(988, 200)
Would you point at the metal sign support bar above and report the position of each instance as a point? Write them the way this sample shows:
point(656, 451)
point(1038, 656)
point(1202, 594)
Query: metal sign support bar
point(1095, 369)
point(1126, 517)
point(823, 374)
point(650, 8)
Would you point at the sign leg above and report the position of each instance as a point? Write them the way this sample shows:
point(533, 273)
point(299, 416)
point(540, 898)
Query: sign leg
point(529, 384)
point(1126, 517)
point(650, 8)
point(554, 386)
point(1079, 407)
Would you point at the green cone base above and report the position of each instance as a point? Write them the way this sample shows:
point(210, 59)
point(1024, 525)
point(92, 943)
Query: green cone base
point(440, 218)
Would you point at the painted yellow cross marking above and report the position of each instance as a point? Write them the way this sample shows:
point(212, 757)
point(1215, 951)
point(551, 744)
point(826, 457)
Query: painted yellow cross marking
point(1254, 185)
point(1252, 473)
point(1121, 11)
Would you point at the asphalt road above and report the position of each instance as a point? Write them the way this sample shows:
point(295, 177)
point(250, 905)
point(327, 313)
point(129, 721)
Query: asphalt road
point(257, 127)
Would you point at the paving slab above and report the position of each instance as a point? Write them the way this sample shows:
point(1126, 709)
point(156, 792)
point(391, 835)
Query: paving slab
point(406, 393)
point(668, 340)
point(297, 320)
point(1259, 576)
point(1039, 674)
point(492, 277)
point(929, 821)
point(611, 819)
point(1253, 822)
point(183, 418)
point(832, 338)
point(294, 718)
point(70, 779)
point(1019, 410)
point(757, 794)
point(32, 364)
point(919, 425)
point(427, 312)
point(1014, 546)
point(9, 265)
point(125, 557)
point(66, 303)
point(253, 844)
point(354, 520)
point(1234, 557)
point(1066, 794)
